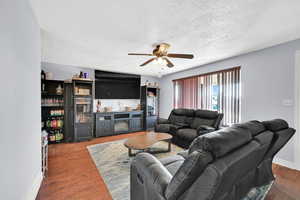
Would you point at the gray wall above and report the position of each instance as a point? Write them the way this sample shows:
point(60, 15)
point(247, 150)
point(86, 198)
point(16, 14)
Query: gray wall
point(150, 79)
point(267, 85)
point(20, 122)
point(63, 72)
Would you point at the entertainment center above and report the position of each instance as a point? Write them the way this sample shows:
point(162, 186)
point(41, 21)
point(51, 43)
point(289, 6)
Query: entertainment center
point(114, 123)
point(109, 104)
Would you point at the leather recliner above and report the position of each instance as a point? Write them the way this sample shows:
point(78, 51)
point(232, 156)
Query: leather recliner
point(220, 165)
point(186, 124)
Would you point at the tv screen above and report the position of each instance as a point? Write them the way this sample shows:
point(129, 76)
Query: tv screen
point(111, 85)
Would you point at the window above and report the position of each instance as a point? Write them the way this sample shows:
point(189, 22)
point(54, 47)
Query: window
point(219, 91)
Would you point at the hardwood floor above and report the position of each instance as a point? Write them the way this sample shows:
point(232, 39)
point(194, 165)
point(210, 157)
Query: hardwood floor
point(72, 175)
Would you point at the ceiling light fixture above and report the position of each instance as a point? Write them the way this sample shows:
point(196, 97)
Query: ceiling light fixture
point(162, 56)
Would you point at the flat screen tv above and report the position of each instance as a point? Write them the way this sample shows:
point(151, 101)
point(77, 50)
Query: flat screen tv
point(110, 85)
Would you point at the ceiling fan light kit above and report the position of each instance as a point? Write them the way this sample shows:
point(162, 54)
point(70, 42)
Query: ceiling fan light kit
point(161, 55)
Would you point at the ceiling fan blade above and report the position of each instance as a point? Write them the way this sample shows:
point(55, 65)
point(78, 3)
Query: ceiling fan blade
point(176, 55)
point(147, 62)
point(140, 54)
point(169, 63)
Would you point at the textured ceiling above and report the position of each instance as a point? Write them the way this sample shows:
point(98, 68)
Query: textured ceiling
point(99, 34)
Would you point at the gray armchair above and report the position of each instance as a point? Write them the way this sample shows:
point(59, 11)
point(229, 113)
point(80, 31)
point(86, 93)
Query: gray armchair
point(224, 164)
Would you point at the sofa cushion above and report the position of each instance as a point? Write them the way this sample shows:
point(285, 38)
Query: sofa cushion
point(184, 112)
point(187, 134)
point(223, 141)
point(254, 126)
point(177, 119)
point(206, 114)
point(181, 116)
point(174, 128)
point(189, 171)
point(276, 124)
point(202, 121)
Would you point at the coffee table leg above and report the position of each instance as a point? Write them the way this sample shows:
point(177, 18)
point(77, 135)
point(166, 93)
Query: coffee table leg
point(169, 146)
point(129, 152)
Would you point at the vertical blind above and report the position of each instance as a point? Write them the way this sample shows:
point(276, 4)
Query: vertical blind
point(218, 91)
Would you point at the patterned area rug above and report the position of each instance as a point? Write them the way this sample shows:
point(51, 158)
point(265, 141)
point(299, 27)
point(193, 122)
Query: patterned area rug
point(113, 163)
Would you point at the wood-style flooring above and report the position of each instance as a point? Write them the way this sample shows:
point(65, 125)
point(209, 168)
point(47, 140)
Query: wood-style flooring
point(72, 175)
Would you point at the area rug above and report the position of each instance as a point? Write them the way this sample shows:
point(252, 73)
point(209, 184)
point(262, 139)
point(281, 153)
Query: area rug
point(113, 164)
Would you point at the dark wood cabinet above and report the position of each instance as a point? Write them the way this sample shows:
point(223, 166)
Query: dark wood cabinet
point(52, 107)
point(115, 123)
point(104, 125)
point(150, 106)
point(78, 110)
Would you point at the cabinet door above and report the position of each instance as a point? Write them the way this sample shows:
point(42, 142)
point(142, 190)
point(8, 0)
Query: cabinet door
point(104, 126)
point(83, 110)
point(83, 132)
point(136, 124)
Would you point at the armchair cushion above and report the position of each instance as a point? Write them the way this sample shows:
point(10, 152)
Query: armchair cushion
point(189, 171)
point(214, 142)
point(276, 124)
point(254, 126)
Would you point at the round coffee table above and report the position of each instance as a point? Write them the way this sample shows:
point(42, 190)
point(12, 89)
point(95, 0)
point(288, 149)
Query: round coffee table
point(144, 142)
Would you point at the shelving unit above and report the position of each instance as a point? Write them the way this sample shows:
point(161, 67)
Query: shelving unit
point(52, 110)
point(79, 110)
point(150, 106)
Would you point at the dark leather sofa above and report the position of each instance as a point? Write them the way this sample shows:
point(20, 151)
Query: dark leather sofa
point(187, 124)
point(220, 165)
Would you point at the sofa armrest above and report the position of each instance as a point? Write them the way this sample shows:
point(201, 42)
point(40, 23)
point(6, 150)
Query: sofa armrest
point(162, 121)
point(184, 154)
point(150, 173)
point(202, 129)
point(174, 127)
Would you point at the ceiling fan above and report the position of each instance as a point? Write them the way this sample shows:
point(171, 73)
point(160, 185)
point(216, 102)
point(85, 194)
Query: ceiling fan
point(161, 55)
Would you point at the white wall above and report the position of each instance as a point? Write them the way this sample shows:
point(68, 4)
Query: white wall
point(20, 148)
point(267, 82)
point(297, 106)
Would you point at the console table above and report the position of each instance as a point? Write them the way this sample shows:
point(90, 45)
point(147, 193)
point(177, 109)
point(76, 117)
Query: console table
point(114, 123)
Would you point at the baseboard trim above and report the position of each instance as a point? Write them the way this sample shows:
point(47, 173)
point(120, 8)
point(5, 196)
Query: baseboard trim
point(34, 189)
point(285, 163)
